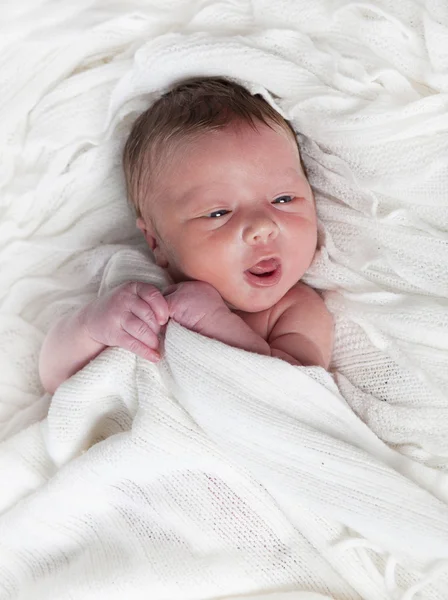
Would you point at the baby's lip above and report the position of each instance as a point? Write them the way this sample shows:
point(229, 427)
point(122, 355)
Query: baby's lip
point(265, 265)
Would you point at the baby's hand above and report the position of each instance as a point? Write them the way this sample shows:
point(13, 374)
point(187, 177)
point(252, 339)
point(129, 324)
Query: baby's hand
point(130, 316)
point(199, 306)
point(195, 304)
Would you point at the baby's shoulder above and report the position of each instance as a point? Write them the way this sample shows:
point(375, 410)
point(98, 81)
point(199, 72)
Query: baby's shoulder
point(303, 312)
point(303, 302)
point(300, 295)
point(299, 299)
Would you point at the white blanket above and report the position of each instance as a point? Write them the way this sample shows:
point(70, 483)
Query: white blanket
point(220, 472)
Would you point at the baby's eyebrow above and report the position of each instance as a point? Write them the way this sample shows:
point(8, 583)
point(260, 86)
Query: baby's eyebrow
point(294, 174)
point(194, 193)
point(290, 175)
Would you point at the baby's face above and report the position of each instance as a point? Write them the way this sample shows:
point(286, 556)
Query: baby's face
point(230, 199)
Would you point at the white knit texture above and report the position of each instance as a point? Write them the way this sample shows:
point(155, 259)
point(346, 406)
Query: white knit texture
point(219, 472)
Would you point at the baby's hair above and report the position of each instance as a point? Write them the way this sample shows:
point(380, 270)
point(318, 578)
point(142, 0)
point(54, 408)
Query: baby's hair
point(192, 107)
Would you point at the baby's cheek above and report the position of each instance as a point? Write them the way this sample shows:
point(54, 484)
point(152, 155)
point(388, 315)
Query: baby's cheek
point(184, 261)
point(211, 261)
point(304, 247)
point(201, 269)
point(179, 269)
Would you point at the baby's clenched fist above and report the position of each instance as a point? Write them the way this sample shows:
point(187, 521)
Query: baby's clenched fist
point(130, 316)
point(196, 305)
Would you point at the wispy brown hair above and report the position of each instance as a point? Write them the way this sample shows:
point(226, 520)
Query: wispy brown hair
point(192, 107)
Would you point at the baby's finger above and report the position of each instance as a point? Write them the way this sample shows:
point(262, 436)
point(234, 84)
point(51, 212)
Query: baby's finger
point(133, 345)
point(139, 330)
point(145, 313)
point(155, 299)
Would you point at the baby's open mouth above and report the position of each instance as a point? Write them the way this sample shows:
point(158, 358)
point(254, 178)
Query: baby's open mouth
point(265, 272)
point(264, 268)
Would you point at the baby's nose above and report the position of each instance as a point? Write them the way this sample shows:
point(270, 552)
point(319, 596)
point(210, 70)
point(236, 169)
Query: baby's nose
point(260, 230)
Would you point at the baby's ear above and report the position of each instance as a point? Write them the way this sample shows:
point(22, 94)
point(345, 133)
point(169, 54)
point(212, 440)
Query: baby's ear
point(148, 232)
point(150, 236)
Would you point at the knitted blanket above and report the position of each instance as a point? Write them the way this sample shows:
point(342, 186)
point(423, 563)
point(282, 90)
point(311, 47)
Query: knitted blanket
point(221, 473)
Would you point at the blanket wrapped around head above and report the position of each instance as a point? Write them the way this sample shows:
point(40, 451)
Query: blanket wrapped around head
point(221, 473)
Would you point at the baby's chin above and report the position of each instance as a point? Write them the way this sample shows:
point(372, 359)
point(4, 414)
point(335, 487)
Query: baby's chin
point(257, 300)
point(249, 306)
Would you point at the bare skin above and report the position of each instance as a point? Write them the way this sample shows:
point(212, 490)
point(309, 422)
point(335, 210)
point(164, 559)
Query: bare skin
point(232, 198)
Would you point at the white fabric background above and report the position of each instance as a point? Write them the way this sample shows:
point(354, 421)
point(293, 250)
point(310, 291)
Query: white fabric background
point(365, 85)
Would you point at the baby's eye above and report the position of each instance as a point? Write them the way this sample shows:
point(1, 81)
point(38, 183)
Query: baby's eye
point(217, 213)
point(283, 199)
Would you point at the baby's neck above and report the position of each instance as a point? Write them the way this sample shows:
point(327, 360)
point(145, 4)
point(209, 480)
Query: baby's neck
point(232, 308)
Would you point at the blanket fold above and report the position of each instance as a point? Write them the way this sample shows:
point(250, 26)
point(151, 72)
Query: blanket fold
point(167, 460)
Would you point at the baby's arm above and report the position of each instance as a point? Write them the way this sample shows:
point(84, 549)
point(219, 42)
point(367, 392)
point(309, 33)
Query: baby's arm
point(66, 349)
point(130, 316)
point(302, 331)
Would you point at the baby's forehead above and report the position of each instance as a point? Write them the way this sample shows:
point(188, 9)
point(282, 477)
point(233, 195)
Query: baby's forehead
point(215, 159)
point(256, 138)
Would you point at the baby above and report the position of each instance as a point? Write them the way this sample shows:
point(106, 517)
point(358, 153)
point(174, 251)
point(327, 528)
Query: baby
point(222, 199)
